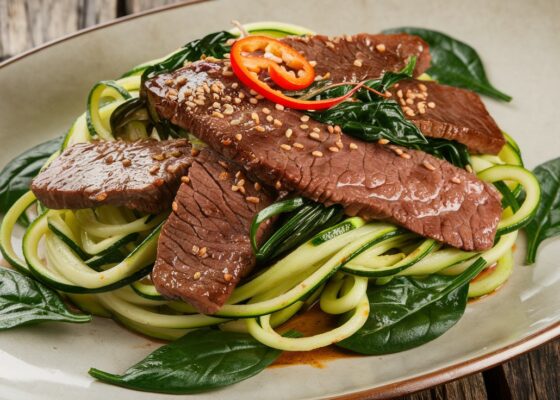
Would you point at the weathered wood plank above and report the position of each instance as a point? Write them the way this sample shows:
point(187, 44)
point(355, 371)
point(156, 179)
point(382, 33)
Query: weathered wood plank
point(134, 6)
point(545, 371)
point(93, 12)
point(469, 388)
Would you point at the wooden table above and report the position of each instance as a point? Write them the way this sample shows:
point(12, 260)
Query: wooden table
point(28, 23)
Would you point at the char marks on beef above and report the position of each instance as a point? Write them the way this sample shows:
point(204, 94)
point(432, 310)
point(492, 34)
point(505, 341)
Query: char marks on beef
point(458, 114)
point(142, 175)
point(204, 247)
point(283, 148)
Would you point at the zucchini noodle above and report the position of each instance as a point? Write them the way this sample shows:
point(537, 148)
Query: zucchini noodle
point(101, 259)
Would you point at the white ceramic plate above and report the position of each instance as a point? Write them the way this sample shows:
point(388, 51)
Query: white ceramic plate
point(44, 90)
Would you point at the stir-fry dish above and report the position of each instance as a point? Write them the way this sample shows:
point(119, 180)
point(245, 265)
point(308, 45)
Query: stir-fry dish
point(253, 176)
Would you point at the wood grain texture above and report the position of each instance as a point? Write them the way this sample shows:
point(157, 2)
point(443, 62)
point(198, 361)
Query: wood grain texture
point(28, 23)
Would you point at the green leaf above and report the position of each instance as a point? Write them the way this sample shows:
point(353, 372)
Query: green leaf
point(546, 222)
point(408, 312)
point(454, 62)
point(201, 360)
point(24, 301)
point(17, 175)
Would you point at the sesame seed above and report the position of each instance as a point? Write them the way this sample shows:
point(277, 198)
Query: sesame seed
point(313, 63)
point(265, 110)
point(288, 133)
point(260, 128)
point(241, 95)
point(428, 165)
point(159, 182)
point(226, 141)
point(158, 157)
point(195, 249)
point(174, 206)
point(315, 135)
point(216, 104)
point(277, 185)
point(406, 156)
point(277, 123)
point(235, 121)
point(380, 47)
point(410, 112)
point(431, 104)
point(285, 146)
point(235, 85)
point(422, 87)
point(269, 118)
point(185, 179)
point(383, 141)
point(199, 101)
point(252, 100)
point(203, 252)
point(172, 168)
point(241, 182)
point(348, 38)
point(255, 117)
point(409, 101)
point(237, 100)
point(215, 88)
point(358, 63)
point(330, 45)
point(304, 126)
point(330, 129)
point(234, 188)
point(223, 175)
point(334, 149)
point(101, 196)
point(226, 72)
point(400, 93)
point(228, 277)
point(339, 144)
point(196, 276)
point(353, 146)
point(279, 107)
point(337, 129)
point(455, 180)
point(238, 137)
point(298, 145)
point(317, 153)
point(228, 109)
point(304, 118)
point(398, 151)
point(469, 168)
point(126, 162)
point(253, 199)
point(169, 82)
point(257, 186)
point(217, 114)
point(191, 104)
point(154, 169)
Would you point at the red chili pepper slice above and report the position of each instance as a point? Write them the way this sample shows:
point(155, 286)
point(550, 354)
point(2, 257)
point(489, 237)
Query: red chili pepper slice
point(276, 56)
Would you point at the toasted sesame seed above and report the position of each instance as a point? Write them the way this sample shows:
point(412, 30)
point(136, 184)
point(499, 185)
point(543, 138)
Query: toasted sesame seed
point(428, 165)
point(223, 175)
point(226, 72)
point(431, 104)
point(253, 199)
point(217, 114)
point(199, 101)
point(215, 88)
point(234, 188)
point(400, 93)
point(194, 152)
point(228, 277)
point(304, 118)
point(260, 128)
point(348, 38)
point(235, 121)
point(154, 169)
point(358, 63)
point(285, 146)
point(398, 151)
point(241, 182)
point(174, 206)
point(252, 100)
point(304, 126)
point(185, 179)
point(380, 47)
point(203, 252)
point(257, 186)
point(277, 122)
point(317, 153)
point(235, 85)
point(191, 104)
point(337, 129)
point(228, 109)
point(241, 95)
point(216, 104)
point(196, 275)
point(469, 168)
point(422, 87)
point(195, 249)
point(383, 141)
point(455, 180)
point(339, 144)
point(101, 196)
point(169, 82)
point(277, 185)
point(330, 45)
point(269, 118)
point(410, 112)
point(238, 137)
point(126, 162)
point(298, 145)
point(279, 107)
point(315, 135)
point(159, 182)
point(158, 157)
point(409, 102)
point(334, 149)
point(237, 100)
point(405, 156)
point(353, 146)
point(288, 133)
point(172, 168)
point(255, 117)
point(266, 110)
point(330, 128)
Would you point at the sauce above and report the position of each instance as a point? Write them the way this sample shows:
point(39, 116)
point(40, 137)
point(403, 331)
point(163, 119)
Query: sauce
point(311, 323)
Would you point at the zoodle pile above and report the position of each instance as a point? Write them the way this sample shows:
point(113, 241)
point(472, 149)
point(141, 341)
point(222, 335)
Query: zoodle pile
point(100, 259)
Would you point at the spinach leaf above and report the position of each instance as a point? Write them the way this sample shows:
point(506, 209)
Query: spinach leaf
point(16, 176)
point(212, 45)
point(546, 222)
point(454, 62)
point(408, 312)
point(24, 301)
point(201, 360)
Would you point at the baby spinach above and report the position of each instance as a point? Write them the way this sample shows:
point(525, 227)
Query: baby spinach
point(408, 312)
point(24, 301)
point(546, 222)
point(17, 175)
point(201, 360)
point(454, 62)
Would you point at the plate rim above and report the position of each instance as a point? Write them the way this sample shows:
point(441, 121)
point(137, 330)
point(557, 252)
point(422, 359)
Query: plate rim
point(385, 391)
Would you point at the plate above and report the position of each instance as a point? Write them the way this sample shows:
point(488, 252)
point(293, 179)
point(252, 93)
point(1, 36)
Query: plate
point(46, 88)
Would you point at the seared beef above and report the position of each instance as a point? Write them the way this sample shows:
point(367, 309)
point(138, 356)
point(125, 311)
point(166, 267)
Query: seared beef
point(358, 57)
point(458, 114)
point(284, 149)
point(142, 175)
point(446, 112)
point(204, 248)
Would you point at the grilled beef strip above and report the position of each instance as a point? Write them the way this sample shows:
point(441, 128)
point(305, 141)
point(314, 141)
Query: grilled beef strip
point(439, 111)
point(204, 247)
point(284, 149)
point(142, 175)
